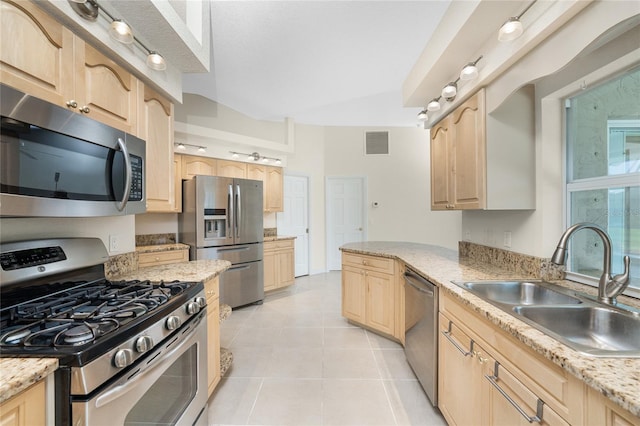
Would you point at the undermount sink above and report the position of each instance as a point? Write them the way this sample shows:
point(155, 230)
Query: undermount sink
point(519, 292)
point(578, 321)
point(595, 330)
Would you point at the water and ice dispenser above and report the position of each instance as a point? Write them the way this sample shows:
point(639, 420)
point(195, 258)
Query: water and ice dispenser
point(215, 223)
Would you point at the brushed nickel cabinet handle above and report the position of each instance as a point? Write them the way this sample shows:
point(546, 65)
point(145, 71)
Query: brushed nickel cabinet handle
point(72, 104)
point(449, 337)
point(85, 109)
point(494, 381)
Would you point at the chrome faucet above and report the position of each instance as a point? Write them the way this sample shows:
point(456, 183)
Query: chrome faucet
point(608, 287)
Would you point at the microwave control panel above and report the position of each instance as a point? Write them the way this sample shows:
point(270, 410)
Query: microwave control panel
point(136, 178)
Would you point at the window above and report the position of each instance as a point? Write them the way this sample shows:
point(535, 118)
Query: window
point(603, 176)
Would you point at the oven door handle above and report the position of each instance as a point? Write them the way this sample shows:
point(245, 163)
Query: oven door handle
point(166, 359)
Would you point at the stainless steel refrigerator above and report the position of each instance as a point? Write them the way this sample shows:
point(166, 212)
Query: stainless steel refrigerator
point(222, 219)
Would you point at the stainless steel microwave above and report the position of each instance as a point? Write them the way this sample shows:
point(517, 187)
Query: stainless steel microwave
point(55, 162)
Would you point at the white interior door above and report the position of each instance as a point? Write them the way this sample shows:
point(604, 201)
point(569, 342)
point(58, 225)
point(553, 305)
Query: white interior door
point(294, 221)
point(345, 216)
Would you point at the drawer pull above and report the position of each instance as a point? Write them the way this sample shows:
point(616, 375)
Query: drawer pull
point(447, 334)
point(493, 380)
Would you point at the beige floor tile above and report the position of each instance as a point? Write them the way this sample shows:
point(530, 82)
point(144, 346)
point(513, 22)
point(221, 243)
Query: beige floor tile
point(411, 405)
point(393, 364)
point(232, 401)
point(349, 364)
point(355, 402)
point(300, 337)
point(288, 402)
point(354, 337)
point(301, 363)
point(256, 337)
point(249, 361)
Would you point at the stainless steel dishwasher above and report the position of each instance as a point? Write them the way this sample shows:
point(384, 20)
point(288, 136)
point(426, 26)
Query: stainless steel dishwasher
point(421, 331)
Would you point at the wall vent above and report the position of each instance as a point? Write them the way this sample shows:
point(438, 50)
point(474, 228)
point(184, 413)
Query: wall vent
point(376, 143)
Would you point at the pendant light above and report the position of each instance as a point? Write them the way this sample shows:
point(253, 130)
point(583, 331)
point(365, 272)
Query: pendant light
point(450, 91)
point(434, 105)
point(422, 116)
point(121, 31)
point(156, 61)
point(470, 71)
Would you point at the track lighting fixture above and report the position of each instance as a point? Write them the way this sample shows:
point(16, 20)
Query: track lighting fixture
point(119, 30)
point(434, 105)
point(183, 146)
point(512, 28)
point(450, 91)
point(255, 157)
point(422, 115)
point(470, 71)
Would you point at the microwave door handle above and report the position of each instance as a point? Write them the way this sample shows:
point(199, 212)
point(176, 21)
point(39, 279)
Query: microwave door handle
point(230, 210)
point(238, 211)
point(127, 183)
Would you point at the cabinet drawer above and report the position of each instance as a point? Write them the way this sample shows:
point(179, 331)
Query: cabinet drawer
point(162, 257)
point(372, 263)
point(284, 244)
point(212, 289)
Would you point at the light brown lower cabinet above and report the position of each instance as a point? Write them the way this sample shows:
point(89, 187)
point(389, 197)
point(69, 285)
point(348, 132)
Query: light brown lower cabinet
point(486, 377)
point(25, 408)
point(162, 257)
point(369, 292)
point(212, 293)
point(279, 264)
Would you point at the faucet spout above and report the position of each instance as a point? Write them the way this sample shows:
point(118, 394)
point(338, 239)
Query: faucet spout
point(608, 287)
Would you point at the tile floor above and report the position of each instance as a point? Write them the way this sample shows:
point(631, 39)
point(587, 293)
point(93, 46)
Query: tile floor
point(297, 361)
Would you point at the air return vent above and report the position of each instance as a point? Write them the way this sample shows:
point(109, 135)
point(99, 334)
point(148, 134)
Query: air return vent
point(376, 143)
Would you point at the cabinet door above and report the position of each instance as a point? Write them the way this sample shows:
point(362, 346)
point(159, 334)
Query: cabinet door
point(213, 344)
point(36, 52)
point(104, 90)
point(26, 408)
point(274, 183)
point(353, 294)
point(156, 128)
point(380, 302)
point(459, 373)
point(286, 265)
point(270, 270)
point(469, 156)
point(441, 166)
point(193, 165)
point(232, 169)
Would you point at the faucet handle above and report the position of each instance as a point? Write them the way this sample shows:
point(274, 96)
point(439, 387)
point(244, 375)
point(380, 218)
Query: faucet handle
point(621, 281)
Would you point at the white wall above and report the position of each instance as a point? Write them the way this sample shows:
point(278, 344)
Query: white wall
point(399, 182)
point(122, 227)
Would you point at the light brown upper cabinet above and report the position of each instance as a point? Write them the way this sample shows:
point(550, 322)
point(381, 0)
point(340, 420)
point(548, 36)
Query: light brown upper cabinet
point(233, 169)
point(41, 57)
point(193, 165)
point(272, 188)
point(485, 161)
point(155, 126)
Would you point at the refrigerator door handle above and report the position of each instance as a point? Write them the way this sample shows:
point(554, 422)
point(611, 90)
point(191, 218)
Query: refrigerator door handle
point(238, 210)
point(230, 210)
point(232, 249)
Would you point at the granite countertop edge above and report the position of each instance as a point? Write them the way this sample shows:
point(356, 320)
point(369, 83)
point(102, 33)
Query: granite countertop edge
point(18, 374)
point(279, 238)
point(616, 378)
point(195, 270)
point(161, 247)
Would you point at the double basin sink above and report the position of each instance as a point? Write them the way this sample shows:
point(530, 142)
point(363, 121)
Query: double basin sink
point(585, 325)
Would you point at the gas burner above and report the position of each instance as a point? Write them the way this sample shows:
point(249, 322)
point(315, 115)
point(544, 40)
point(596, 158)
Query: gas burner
point(84, 333)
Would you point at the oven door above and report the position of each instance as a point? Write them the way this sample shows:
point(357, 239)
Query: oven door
point(168, 387)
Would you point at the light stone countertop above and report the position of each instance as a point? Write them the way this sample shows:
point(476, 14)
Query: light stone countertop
point(17, 374)
point(195, 270)
point(161, 247)
point(279, 238)
point(616, 378)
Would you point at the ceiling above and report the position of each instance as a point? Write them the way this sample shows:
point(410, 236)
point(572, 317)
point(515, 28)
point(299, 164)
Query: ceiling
point(330, 63)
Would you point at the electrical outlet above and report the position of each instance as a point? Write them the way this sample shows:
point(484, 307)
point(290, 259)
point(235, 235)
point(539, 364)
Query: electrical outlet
point(114, 243)
point(507, 239)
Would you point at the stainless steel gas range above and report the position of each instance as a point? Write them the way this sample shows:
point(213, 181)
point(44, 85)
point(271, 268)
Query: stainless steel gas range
point(130, 352)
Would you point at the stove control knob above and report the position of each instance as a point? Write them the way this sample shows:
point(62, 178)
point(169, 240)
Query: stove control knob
point(143, 344)
point(173, 322)
point(201, 301)
point(193, 308)
point(122, 358)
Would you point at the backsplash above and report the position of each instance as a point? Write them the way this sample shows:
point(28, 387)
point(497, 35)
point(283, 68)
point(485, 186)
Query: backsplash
point(516, 262)
point(270, 232)
point(155, 239)
point(121, 264)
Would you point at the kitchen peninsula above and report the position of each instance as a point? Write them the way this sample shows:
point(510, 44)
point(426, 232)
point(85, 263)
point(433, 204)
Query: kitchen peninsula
point(607, 380)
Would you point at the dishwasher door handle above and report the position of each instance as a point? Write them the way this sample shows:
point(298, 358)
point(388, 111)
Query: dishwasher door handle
point(419, 284)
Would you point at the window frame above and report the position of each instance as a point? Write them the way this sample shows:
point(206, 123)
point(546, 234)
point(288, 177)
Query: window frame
point(591, 183)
